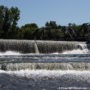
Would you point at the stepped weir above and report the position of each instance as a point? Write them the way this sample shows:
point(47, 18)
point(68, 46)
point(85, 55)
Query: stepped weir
point(32, 54)
point(44, 65)
point(32, 46)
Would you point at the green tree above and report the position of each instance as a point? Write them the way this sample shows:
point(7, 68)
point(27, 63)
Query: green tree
point(28, 31)
point(51, 24)
point(14, 17)
point(8, 21)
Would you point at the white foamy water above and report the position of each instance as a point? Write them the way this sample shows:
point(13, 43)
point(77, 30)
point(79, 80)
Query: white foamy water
point(44, 80)
point(83, 50)
point(10, 53)
point(77, 51)
point(41, 73)
point(74, 51)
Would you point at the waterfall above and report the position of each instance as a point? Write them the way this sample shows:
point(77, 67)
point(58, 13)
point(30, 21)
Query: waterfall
point(46, 61)
point(45, 66)
point(82, 49)
point(30, 64)
point(36, 48)
point(39, 46)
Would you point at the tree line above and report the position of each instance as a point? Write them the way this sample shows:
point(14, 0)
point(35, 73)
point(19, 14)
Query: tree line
point(9, 28)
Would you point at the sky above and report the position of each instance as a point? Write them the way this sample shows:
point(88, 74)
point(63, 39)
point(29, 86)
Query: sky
point(41, 11)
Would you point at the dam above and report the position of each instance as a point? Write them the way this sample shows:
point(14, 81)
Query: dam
point(44, 65)
point(29, 46)
point(32, 54)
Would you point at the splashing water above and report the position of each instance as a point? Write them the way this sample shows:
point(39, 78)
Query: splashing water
point(36, 48)
point(82, 50)
point(44, 80)
point(10, 53)
point(53, 79)
point(77, 51)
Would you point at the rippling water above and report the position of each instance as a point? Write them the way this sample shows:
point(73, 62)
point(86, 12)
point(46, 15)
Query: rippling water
point(44, 80)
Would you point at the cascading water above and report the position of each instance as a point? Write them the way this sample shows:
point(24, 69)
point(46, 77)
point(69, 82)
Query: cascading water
point(32, 46)
point(36, 48)
point(81, 50)
point(44, 65)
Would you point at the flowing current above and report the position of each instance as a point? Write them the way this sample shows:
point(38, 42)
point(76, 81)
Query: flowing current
point(44, 80)
point(44, 65)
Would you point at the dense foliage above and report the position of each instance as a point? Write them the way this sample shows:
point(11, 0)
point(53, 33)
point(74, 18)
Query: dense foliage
point(8, 22)
point(51, 31)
